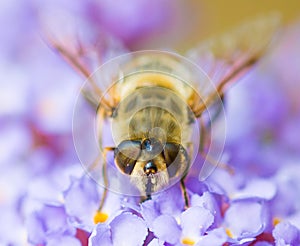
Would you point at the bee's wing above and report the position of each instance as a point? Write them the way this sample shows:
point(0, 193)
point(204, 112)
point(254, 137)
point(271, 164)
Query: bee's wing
point(85, 50)
point(227, 57)
point(85, 55)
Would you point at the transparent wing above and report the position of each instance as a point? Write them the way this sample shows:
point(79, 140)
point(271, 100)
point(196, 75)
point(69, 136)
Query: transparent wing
point(85, 55)
point(227, 57)
point(85, 49)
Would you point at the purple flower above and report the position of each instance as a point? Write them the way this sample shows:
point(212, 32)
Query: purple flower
point(81, 202)
point(194, 222)
point(214, 237)
point(12, 229)
point(179, 225)
point(190, 228)
point(294, 219)
point(125, 229)
point(168, 202)
point(287, 181)
point(286, 234)
point(246, 218)
point(165, 227)
point(48, 224)
point(150, 211)
point(239, 185)
point(210, 202)
point(63, 240)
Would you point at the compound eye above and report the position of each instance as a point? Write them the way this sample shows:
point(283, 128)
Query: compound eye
point(175, 156)
point(126, 155)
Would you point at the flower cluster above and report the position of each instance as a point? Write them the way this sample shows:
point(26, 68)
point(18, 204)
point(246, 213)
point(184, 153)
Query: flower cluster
point(47, 199)
point(225, 210)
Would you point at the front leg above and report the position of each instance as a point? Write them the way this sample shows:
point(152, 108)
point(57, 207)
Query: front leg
point(184, 193)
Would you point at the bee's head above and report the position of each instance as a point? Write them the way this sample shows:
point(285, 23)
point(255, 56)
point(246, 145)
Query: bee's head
point(150, 159)
point(129, 152)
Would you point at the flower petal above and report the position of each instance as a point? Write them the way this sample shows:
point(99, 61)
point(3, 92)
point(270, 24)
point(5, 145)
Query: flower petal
point(81, 201)
point(286, 234)
point(246, 218)
point(155, 242)
point(35, 230)
point(262, 188)
point(207, 201)
point(166, 229)
point(101, 235)
point(213, 238)
point(171, 201)
point(149, 212)
point(65, 240)
point(195, 221)
point(50, 221)
point(128, 229)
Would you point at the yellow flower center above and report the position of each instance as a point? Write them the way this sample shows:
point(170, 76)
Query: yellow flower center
point(229, 233)
point(187, 241)
point(276, 221)
point(100, 217)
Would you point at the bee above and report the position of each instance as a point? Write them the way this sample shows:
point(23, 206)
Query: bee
point(154, 102)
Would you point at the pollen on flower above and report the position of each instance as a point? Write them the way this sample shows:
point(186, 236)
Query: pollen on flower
point(229, 233)
point(100, 217)
point(187, 241)
point(276, 221)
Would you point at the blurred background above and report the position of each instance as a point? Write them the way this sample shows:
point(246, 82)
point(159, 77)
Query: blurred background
point(218, 16)
point(206, 18)
point(38, 89)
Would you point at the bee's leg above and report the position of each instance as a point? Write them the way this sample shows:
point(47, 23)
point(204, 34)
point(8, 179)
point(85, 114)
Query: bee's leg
point(101, 217)
point(100, 114)
point(217, 110)
point(184, 193)
point(190, 148)
point(203, 136)
point(145, 198)
point(198, 107)
point(100, 119)
point(104, 173)
point(148, 189)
